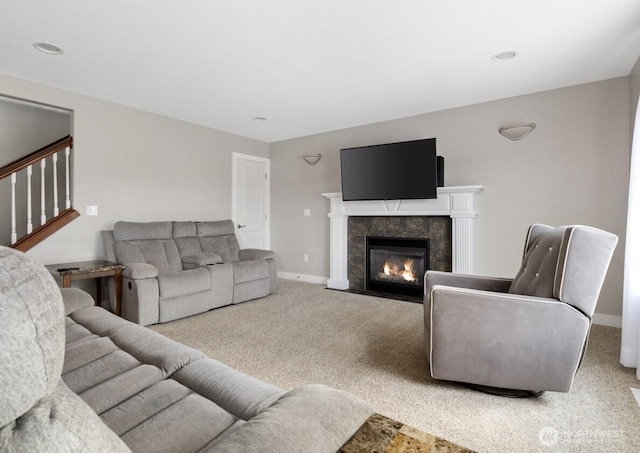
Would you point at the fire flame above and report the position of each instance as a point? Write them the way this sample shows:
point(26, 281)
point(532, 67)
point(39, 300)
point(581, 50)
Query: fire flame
point(392, 269)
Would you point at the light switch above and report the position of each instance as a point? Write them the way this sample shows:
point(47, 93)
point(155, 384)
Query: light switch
point(307, 212)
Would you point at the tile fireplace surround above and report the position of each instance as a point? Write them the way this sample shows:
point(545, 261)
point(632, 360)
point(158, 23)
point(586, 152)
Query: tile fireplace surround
point(455, 202)
point(436, 229)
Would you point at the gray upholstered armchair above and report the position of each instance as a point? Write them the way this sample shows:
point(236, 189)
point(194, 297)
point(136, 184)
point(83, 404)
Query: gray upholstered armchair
point(528, 334)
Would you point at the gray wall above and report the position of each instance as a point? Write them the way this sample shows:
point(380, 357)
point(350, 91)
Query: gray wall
point(24, 128)
point(27, 127)
point(572, 169)
point(135, 166)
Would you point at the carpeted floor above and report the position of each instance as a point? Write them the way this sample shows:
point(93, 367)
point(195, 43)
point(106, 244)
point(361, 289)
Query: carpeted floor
point(373, 348)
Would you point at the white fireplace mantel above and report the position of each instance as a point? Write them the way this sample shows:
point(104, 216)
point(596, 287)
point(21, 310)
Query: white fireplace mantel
point(455, 202)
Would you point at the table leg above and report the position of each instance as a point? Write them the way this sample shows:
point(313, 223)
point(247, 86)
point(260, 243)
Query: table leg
point(118, 308)
point(99, 291)
point(66, 281)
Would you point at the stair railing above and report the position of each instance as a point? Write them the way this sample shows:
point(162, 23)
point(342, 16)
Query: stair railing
point(24, 167)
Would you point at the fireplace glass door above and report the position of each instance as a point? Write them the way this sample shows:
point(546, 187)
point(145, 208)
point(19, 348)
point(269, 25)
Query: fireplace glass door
point(396, 265)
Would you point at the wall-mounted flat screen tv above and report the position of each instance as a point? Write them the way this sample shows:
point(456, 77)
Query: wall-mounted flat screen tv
point(393, 171)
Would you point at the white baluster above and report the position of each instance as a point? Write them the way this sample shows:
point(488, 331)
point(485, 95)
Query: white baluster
point(14, 235)
point(29, 208)
point(56, 210)
point(67, 197)
point(43, 214)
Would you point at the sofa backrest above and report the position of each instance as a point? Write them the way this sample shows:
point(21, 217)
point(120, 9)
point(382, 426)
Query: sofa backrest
point(150, 243)
point(207, 237)
point(186, 237)
point(37, 411)
point(31, 334)
point(568, 263)
point(162, 244)
point(219, 237)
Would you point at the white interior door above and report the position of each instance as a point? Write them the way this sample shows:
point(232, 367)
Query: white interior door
point(250, 200)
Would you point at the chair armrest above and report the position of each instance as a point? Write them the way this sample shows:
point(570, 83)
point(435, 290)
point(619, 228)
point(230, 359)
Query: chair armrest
point(505, 340)
point(432, 278)
point(254, 254)
point(140, 271)
point(74, 299)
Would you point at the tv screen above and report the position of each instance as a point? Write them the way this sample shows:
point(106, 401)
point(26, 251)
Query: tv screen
point(394, 171)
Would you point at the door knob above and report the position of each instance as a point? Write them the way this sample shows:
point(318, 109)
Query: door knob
point(241, 226)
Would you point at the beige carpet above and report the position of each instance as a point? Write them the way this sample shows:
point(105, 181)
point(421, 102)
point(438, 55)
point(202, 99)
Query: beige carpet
point(373, 348)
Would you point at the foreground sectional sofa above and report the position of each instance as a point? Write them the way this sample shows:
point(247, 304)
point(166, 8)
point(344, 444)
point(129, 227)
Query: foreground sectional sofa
point(179, 269)
point(92, 382)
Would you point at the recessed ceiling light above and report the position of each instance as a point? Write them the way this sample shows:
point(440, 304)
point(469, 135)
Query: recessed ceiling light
point(259, 119)
point(49, 48)
point(504, 56)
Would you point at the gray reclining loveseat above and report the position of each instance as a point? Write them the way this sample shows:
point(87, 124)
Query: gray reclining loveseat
point(179, 269)
point(114, 386)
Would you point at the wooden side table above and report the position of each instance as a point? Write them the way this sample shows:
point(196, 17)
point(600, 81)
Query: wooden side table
point(83, 270)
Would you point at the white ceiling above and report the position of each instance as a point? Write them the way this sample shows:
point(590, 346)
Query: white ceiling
point(314, 66)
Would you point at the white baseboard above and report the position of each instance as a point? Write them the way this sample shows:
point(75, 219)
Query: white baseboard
point(629, 358)
point(601, 320)
point(303, 277)
point(636, 394)
point(338, 284)
point(607, 320)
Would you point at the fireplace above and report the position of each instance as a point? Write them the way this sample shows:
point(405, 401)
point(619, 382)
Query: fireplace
point(436, 230)
point(346, 270)
point(396, 265)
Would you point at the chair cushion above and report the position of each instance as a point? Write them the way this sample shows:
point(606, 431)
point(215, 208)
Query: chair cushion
point(161, 253)
point(188, 246)
point(200, 420)
point(225, 246)
point(184, 229)
point(248, 271)
point(130, 231)
point(538, 271)
point(215, 228)
point(239, 394)
point(283, 426)
point(175, 284)
point(202, 259)
point(568, 263)
point(37, 410)
point(256, 254)
point(31, 334)
point(219, 237)
point(583, 267)
point(60, 423)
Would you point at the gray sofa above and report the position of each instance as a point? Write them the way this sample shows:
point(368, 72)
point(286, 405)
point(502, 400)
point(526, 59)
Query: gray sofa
point(115, 386)
point(179, 269)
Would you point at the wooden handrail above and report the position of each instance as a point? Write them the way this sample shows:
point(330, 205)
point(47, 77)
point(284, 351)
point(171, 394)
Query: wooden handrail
point(44, 231)
point(35, 156)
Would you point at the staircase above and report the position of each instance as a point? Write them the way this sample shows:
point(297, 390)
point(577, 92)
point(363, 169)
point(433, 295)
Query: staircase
point(45, 189)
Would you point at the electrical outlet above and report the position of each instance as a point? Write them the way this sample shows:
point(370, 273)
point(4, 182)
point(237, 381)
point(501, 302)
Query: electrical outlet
point(307, 212)
point(305, 257)
point(92, 210)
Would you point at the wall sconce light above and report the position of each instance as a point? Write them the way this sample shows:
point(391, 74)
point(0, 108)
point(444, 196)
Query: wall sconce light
point(312, 160)
point(516, 133)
